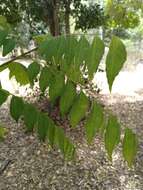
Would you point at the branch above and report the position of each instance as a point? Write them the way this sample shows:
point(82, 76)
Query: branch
point(18, 57)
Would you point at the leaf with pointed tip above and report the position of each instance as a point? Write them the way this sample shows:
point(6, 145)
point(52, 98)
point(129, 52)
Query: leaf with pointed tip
point(60, 49)
point(3, 96)
point(95, 54)
point(70, 49)
point(45, 78)
point(112, 135)
point(8, 46)
point(94, 121)
point(20, 73)
point(3, 67)
point(42, 126)
point(130, 146)
point(51, 132)
point(30, 116)
point(78, 109)
point(64, 144)
point(82, 47)
point(59, 138)
point(115, 59)
point(16, 107)
point(56, 86)
point(69, 149)
point(33, 70)
point(67, 97)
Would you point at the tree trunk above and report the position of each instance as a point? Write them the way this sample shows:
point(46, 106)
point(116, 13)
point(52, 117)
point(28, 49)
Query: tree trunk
point(51, 12)
point(67, 16)
point(56, 17)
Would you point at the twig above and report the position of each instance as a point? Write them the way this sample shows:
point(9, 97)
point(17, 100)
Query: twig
point(18, 57)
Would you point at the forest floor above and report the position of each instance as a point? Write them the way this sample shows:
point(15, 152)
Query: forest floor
point(27, 164)
point(31, 165)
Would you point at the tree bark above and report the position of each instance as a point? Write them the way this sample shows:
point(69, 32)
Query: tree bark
point(51, 12)
point(67, 16)
point(56, 17)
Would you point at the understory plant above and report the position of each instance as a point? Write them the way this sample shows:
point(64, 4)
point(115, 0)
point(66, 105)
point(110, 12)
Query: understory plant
point(66, 63)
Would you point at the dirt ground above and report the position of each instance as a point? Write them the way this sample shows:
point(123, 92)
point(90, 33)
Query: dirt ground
point(30, 165)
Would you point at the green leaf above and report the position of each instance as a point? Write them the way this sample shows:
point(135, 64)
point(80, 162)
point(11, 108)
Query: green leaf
point(8, 46)
point(51, 132)
point(19, 72)
point(16, 107)
point(69, 149)
point(64, 144)
point(48, 49)
point(116, 57)
point(3, 96)
point(3, 35)
point(94, 56)
point(42, 128)
point(53, 49)
point(33, 70)
point(67, 97)
point(30, 116)
point(82, 47)
point(56, 86)
point(78, 109)
point(3, 67)
point(41, 38)
point(112, 135)
point(3, 131)
point(4, 24)
point(61, 41)
point(95, 121)
point(74, 73)
point(45, 78)
point(70, 49)
point(130, 146)
point(59, 138)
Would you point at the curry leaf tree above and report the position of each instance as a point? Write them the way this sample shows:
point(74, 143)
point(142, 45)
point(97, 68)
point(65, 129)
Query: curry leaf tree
point(63, 76)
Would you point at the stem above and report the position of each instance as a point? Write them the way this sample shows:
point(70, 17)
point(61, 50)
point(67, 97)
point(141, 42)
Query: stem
point(18, 57)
